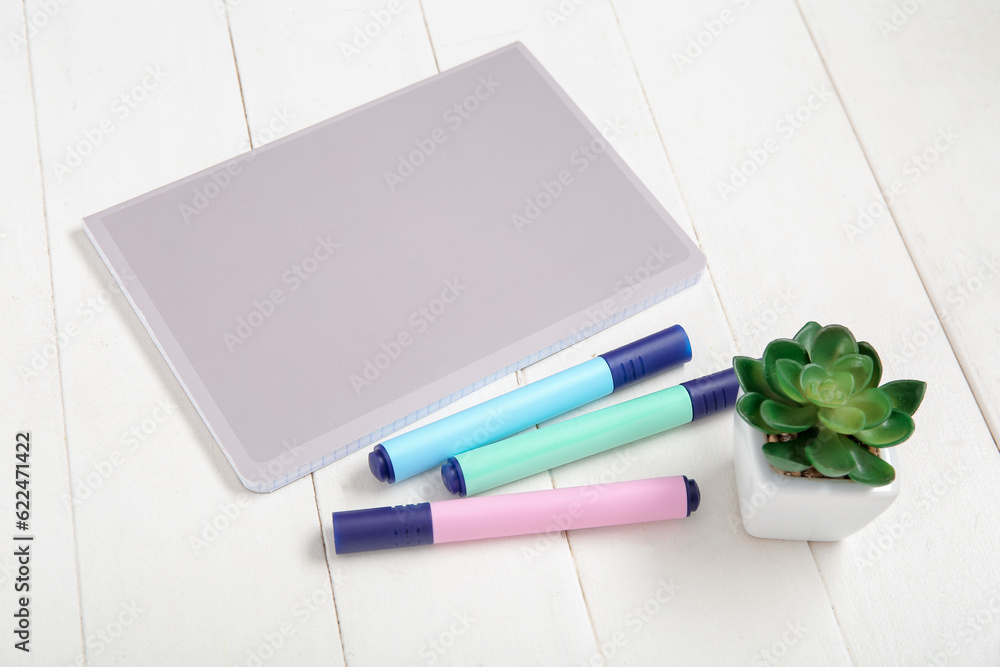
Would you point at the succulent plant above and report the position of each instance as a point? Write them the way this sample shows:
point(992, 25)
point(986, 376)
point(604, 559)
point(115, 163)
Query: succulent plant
point(822, 386)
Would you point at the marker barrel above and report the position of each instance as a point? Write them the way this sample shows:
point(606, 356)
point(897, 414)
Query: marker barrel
point(558, 444)
point(545, 448)
point(426, 447)
point(547, 511)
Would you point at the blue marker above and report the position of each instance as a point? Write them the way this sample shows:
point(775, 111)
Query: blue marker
point(429, 446)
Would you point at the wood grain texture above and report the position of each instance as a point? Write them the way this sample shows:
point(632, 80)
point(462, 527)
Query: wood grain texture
point(171, 548)
point(788, 214)
point(762, 127)
point(30, 399)
point(454, 604)
point(489, 602)
point(667, 589)
point(919, 84)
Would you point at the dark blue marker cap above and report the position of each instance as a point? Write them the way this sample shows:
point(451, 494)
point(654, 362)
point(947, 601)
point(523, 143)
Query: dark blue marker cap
point(451, 475)
point(381, 465)
point(382, 528)
point(648, 356)
point(694, 494)
point(712, 393)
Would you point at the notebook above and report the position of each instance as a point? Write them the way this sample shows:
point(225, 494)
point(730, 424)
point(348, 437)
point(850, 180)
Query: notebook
point(320, 292)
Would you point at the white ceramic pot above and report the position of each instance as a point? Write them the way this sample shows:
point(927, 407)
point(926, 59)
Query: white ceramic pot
point(780, 507)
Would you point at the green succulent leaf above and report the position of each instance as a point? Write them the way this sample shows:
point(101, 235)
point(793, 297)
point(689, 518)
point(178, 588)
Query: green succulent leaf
point(807, 334)
point(825, 388)
point(750, 373)
point(789, 456)
point(746, 374)
point(828, 453)
point(859, 366)
point(788, 419)
point(894, 430)
point(831, 343)
point(842, 419)
point(781, 348)
point(905, 395)
point(874, 403)
point(788, 379)
point(812, 376)
point(866, 349)
point(748, 407)
point(869, 469)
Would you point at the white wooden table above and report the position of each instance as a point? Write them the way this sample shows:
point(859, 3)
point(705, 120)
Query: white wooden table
point(873, 202)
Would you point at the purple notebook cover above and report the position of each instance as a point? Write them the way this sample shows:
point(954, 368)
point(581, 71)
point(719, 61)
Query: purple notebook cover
point(318, 293)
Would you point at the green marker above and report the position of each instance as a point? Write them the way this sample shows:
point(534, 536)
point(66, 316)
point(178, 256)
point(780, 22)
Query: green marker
point(522, 455)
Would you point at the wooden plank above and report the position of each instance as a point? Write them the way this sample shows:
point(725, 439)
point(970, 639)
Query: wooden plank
point(177, 561)
point(318, 60)
point(672, 584)
point(452, 604)
point(919, 85)
point(645, 588)
point(29, 389)
point(781, 229)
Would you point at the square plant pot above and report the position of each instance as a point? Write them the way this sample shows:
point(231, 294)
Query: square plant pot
point(780, 507)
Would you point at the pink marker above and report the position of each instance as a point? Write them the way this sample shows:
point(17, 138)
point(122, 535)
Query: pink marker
point(546, 511)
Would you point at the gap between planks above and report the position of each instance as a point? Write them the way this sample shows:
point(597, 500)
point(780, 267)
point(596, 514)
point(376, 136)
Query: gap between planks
point(923, 282)
point(312, 477)
point(55, 326)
